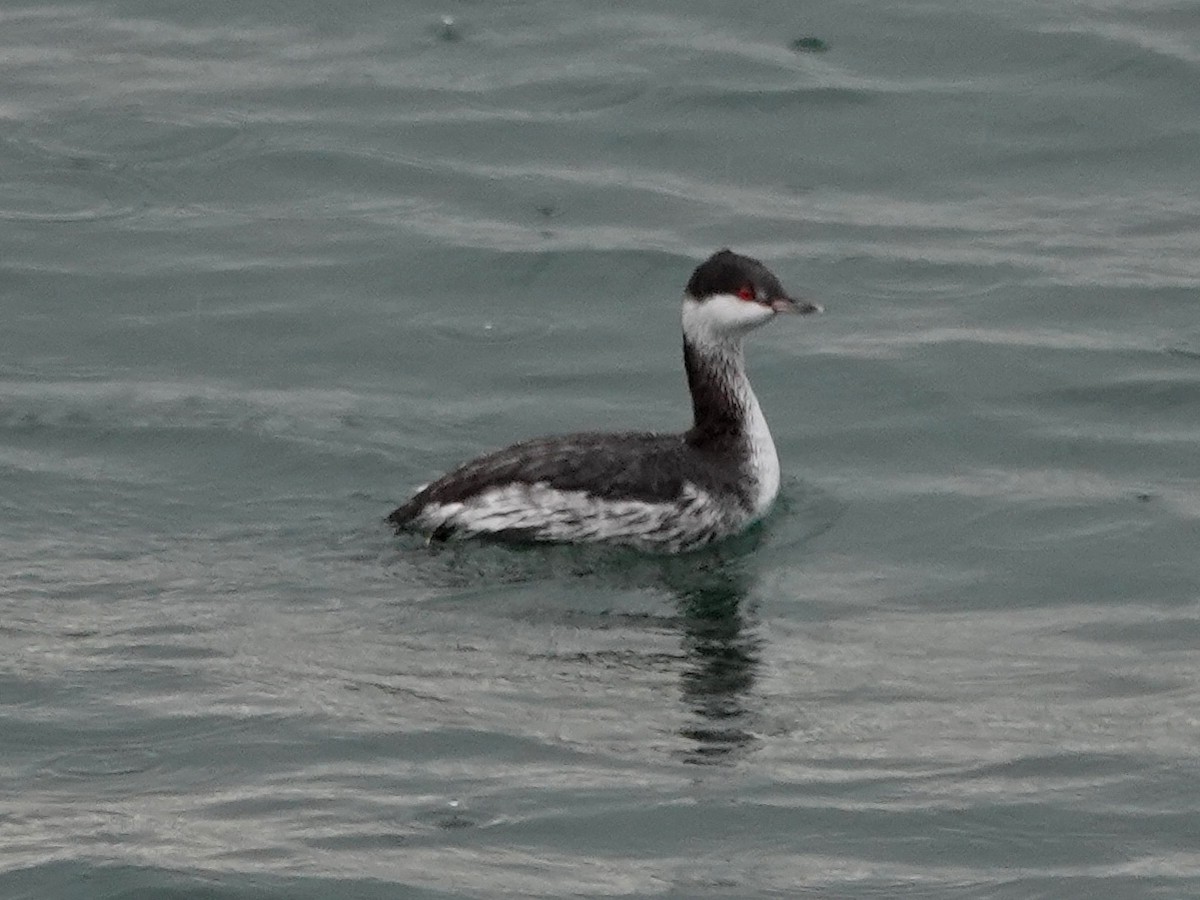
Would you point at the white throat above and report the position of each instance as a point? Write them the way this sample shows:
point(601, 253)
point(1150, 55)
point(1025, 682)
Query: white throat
point(764, 460)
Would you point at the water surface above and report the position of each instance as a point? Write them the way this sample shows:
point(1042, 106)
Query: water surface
point(264, 269)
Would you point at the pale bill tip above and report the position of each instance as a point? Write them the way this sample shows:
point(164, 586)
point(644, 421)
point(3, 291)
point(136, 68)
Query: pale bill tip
point(800, 307)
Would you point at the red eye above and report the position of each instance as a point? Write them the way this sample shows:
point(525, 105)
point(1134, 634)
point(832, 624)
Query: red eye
point(746, 293)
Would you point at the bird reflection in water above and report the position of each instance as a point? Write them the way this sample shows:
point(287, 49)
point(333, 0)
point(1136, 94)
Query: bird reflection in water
point(722, 654)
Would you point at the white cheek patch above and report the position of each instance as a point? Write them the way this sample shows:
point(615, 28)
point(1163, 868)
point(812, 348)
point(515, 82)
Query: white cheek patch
point(721, 315)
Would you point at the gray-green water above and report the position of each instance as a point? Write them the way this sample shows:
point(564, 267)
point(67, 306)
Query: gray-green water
point(266, 267)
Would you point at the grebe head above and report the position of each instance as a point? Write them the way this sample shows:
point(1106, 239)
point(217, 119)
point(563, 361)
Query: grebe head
point(729, 294)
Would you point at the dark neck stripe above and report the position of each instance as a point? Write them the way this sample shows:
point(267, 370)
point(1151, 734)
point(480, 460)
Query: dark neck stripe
point(719, 413)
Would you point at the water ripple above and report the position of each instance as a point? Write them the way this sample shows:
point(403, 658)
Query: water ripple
point(69, 191)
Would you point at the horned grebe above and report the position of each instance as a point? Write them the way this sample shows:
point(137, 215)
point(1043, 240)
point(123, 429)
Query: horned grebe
point(666, 493)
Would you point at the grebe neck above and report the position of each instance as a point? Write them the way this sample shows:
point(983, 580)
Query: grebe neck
point(723, 403)
point(728, 421)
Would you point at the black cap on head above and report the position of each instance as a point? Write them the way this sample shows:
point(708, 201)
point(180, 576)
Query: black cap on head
point(726, 272)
